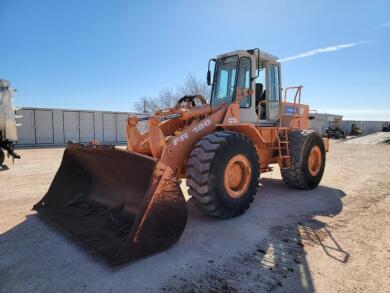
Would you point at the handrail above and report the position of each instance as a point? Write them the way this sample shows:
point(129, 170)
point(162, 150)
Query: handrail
point(297, 95)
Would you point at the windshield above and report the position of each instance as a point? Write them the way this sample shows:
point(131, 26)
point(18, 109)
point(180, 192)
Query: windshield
point(224, 80)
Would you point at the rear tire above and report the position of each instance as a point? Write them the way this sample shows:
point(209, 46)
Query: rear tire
point(214, 156)
point(304, 174)
point(2, 157)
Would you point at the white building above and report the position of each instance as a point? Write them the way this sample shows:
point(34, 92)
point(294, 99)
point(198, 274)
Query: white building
point(322, 121)
point(42, 126)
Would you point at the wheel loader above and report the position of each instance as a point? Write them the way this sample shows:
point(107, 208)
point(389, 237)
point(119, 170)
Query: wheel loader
point(125, 204)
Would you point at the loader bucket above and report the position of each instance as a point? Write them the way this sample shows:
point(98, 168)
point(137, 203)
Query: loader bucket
point(120, 205)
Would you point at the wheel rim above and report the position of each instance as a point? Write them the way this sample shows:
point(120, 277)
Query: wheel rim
point(315, 161)
point(237, 176)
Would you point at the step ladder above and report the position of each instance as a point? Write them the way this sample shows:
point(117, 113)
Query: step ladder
point(284, 158)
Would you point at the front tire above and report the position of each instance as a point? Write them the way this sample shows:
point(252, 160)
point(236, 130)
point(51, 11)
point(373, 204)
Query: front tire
point(222, 174)
point(307, 152)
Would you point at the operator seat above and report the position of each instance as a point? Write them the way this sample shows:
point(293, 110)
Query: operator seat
point(260, 96)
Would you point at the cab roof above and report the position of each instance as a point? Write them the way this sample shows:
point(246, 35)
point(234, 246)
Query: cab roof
point(263, 55)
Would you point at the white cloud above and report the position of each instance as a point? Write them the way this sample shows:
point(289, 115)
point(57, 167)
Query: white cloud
point(322, 50)
point(386, 24)
point(382, 26)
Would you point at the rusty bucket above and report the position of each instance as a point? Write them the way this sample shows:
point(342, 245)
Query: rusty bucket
point(120, 205)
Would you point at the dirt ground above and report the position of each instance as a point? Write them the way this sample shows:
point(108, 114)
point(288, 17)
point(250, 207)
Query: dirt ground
point(334, 238)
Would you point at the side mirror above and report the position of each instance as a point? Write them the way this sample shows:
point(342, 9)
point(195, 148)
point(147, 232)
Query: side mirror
point(209, 72)
point(252, 51)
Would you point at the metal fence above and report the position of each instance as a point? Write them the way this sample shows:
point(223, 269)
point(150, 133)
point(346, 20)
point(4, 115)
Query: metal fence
point(367, 127)
point(321, 121)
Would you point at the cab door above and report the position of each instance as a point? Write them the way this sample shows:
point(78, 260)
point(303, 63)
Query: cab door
point(274, 91)
point(245, 81)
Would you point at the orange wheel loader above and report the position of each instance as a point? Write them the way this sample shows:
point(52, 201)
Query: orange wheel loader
point(125, 204)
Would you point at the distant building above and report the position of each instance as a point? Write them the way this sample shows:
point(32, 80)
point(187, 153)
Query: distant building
point(367, 127)
point(322, 121)
point(47, 126)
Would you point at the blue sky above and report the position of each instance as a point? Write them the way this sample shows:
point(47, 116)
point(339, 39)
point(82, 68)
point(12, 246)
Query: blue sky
point(106, 54)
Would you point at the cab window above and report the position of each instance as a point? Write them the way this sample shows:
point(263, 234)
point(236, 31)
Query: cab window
point(224, 80)
point(274, 83)
point(244, 80)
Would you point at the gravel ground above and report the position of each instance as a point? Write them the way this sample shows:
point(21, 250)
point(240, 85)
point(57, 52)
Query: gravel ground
point(375, 138)
point(331, 239)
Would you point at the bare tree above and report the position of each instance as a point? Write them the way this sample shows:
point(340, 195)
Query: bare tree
point(147, 105)
point(168, 98)
point(194, 86)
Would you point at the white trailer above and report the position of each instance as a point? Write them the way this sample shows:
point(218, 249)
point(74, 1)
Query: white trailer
point(47, 127)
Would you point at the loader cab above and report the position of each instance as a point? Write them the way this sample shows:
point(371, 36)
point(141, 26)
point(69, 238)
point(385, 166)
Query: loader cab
point(249, 69)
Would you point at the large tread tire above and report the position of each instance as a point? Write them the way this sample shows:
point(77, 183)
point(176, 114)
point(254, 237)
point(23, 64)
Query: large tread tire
point(205, 173)
point(300, 144)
